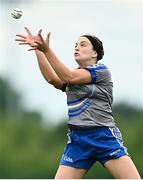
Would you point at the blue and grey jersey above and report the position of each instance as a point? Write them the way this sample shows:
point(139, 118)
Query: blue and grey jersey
point(89, 105)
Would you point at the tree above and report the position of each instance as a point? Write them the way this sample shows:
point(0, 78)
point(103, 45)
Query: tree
point(9, 100)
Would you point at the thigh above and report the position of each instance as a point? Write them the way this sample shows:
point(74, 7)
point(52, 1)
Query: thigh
point(122, 167)
point(67, 172)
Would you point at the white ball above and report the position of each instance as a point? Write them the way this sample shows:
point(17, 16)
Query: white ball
point(16, 13)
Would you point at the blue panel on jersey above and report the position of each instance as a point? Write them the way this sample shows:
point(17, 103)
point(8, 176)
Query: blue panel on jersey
point(92, 70)
point(93, 74)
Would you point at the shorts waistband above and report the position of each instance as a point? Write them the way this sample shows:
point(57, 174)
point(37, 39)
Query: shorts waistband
point(84, 128)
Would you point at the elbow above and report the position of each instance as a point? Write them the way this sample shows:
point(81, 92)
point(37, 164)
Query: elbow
point(56, 83)
point(66, 80)
point(50, 81)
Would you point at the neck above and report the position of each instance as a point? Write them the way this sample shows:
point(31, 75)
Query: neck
point(83, 64)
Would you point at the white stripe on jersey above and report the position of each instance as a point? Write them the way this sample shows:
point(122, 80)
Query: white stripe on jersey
point(77, 105)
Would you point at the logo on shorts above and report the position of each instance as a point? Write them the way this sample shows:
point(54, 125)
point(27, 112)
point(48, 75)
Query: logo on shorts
point(115, 152)
point(66, 158)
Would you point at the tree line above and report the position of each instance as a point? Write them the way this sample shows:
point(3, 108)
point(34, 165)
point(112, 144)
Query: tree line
point(31, 149)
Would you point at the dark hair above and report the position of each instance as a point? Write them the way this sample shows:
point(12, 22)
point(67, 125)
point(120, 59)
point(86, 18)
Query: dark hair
point(97, 45)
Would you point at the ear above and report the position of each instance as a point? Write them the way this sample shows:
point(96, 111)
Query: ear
point(94, 54)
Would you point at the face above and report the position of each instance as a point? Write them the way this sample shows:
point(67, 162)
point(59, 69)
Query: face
point(84, 51)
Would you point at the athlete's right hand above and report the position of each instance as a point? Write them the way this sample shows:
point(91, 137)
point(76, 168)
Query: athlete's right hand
point(28, 40)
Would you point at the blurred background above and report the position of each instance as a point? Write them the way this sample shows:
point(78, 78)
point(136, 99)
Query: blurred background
point(33, 114)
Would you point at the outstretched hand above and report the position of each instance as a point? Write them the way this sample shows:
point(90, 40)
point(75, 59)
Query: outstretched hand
point(35, 42)
point(40, 43)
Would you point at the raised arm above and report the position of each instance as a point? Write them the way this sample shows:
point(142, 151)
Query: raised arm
point(45, 68)
point(77, 76)
point(47, 71)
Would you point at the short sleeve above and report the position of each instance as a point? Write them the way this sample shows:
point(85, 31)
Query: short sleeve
point(99, 73)
point(92, 73)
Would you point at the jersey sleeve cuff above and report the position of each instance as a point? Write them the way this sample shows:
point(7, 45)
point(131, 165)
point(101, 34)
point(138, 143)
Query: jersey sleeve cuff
point(92, 73)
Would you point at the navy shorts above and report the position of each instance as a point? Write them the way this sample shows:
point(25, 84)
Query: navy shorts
point(85, 147)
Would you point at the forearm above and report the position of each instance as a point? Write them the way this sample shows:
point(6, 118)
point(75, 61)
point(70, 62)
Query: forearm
point(47, 71)
point(61, 70)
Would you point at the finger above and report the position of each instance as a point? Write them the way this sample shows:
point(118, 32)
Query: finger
point(22, 40)
point(32, 49)
point(23, 43)
point(19, 35)
point(28, 31)
point(40, 35)
point(37, 42)
point(48, 36)
point(33, 45)
point(39, 32)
